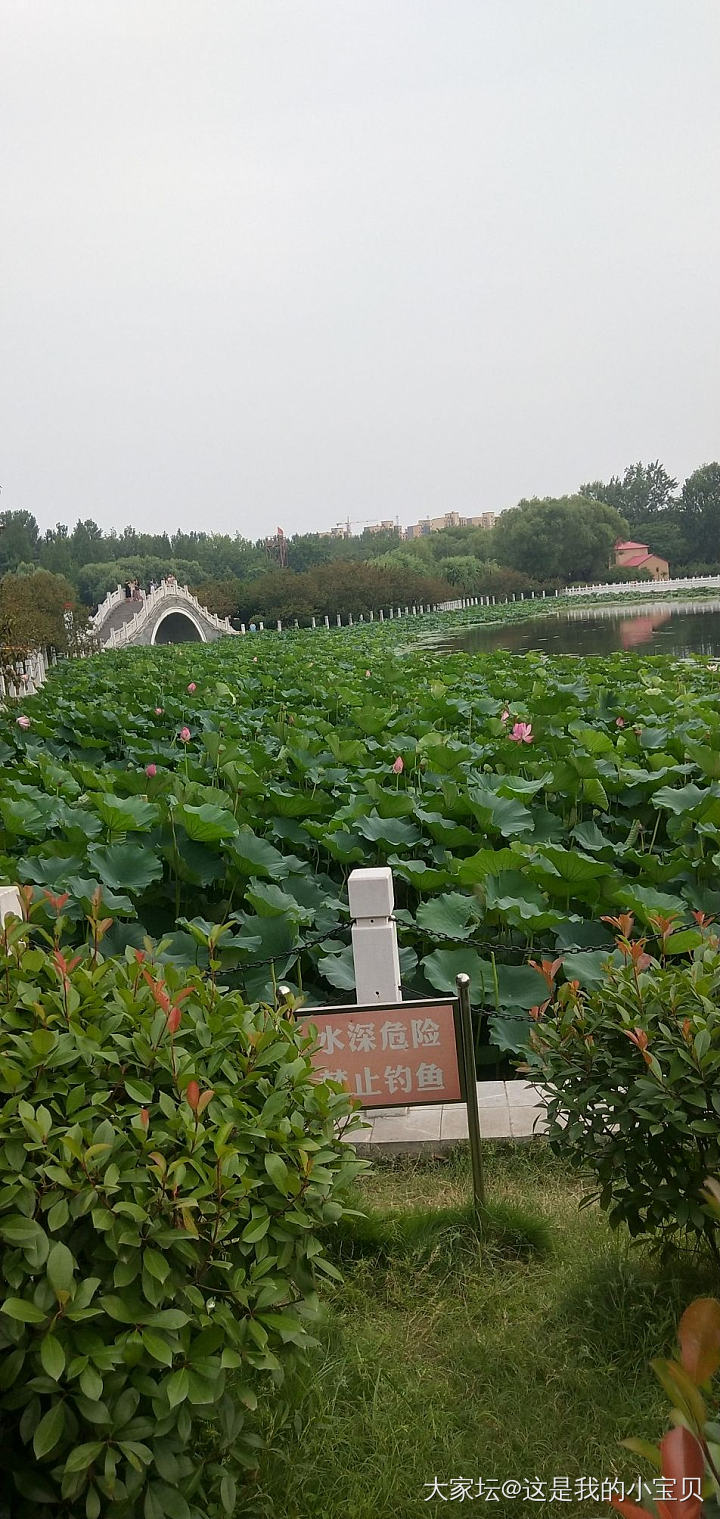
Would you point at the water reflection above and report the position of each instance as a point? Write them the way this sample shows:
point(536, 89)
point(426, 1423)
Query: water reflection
point(680, 628)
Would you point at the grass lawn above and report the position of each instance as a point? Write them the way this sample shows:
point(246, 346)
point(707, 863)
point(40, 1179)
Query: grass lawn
point(522, 1357)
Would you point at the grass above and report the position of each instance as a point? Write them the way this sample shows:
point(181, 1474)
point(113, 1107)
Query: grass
point(523, 1354)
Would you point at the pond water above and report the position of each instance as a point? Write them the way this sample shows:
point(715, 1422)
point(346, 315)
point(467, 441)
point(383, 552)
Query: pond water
point(664, 627)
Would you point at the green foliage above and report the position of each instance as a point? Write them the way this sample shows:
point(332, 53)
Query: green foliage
point(288, 778)
point(168, 1169)
point(570, 538)
point(95, 580)
point(688, 1455)
point(32, 611)
point(631, 1066)
point(701, 510)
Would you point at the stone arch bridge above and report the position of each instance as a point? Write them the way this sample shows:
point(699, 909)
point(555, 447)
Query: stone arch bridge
point(169, 614)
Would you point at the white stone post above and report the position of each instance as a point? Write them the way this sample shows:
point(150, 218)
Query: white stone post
point(242, 627)
point(279, 627)
point(374, 936)
point(381, 615)
point(350, 621)
point(327, 622)
point(372, 615)
point(338, 620)
point(9, 902)
point(313, 623)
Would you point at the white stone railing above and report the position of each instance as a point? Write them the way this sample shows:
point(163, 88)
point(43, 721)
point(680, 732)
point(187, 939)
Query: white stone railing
point(645, 587)
point(164, 591)
point(24, 676)
point(112, 599)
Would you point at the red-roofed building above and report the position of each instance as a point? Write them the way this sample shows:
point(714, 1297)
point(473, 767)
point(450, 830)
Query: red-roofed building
point(637, 556)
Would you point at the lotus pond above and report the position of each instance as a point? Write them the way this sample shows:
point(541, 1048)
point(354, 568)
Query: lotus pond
point(237, 784)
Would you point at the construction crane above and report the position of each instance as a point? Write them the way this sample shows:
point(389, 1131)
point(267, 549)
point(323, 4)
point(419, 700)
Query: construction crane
point(276, 548)
point(361, 522)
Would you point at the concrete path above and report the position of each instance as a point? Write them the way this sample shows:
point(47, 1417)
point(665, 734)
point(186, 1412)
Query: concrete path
point(508, 1110)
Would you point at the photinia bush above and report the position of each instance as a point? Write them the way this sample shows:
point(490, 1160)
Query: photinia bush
point(167, 1168)
point(632, 1070)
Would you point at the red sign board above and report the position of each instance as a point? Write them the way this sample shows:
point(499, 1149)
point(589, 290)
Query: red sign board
point(404, 1054)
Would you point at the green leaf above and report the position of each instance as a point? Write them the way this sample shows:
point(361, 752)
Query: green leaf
point(60, 1268)
point(49, 1431)
point(389, 831)
point(208, 824)
point(157, 1347)
point(177, 1387)
point(451, 914)
point(228, 1494)
point(125, 814)
point(126, 867)
point(52, 1356)
point(278, 1173)
point(83, 1456)
point(25, 1313)
point(257, 856)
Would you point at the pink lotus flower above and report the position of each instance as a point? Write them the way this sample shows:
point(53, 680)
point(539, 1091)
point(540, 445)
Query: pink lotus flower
point(254, 659)
point(185, 735)
point(192, 687)
point(522, 733)
point(158, 711)
point(619, 722)
point(367, 673)
point(398, 766)
point(151, 770)
point(23, 721)
point(504, 715)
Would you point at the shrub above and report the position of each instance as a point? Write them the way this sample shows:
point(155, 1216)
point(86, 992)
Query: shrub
point(167, 1166)
point(687, 1456)
point(632, 1067)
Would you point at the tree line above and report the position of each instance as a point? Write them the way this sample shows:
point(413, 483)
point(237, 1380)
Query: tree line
point(538, 544)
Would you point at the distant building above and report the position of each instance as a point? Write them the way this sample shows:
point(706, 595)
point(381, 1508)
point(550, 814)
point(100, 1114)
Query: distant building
point(451, 519)
point(637, 556)
point(382, 527)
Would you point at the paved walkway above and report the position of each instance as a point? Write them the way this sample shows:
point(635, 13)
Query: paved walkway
point(508, 1110)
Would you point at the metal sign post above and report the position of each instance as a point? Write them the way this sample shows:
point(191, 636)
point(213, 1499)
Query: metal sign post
point(469, 1077)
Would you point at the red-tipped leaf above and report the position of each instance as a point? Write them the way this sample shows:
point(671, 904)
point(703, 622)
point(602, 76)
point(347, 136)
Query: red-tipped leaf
point(699, 1336)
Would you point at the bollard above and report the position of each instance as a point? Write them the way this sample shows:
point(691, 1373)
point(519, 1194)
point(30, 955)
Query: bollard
point(374, 936)
point(261, 626)
point(372, 616)
point(279, 627)
point(381, 615)
point(242, 627)
point(313, 622)
point(327, 622)
point(338, 620)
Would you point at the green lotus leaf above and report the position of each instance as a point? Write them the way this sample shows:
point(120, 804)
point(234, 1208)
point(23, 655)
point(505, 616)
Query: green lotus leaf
point(125, 867)
point(207, 824)
point(452, 915)
point(125, 814)
point(257, 856)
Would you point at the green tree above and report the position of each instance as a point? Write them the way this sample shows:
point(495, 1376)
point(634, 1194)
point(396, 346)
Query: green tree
point(566, 539)
point(701, 511)
point(645, 490)
point(19, 535)
point(32, 609)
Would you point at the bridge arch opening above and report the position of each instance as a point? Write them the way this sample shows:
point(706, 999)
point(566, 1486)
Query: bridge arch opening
point(177, 627)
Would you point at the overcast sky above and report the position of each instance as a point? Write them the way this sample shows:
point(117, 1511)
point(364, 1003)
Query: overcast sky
point(291, 261)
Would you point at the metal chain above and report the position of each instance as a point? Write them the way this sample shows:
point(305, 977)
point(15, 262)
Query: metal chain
point(492, 946)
